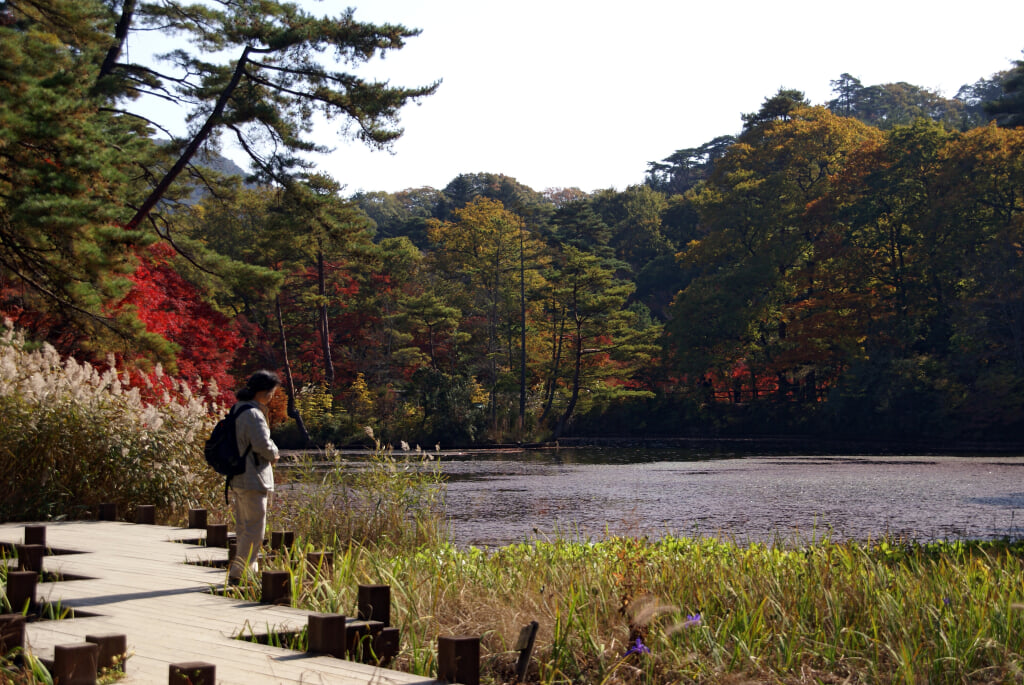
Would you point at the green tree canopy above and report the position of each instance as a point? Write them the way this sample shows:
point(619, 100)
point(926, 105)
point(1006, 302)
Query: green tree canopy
point(1008, 108)
point(78, 172)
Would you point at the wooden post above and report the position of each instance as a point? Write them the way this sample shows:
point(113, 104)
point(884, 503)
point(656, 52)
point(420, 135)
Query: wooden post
point(107, 511)
point(282, 539)
point(35, 535)
point(216, 535)
point(113, 651)
point(30, 557)
point(12, 632)
point(146, 514)
point(192, 673)
point(320, 563)
point(374, 603)
point(359, 637)
point(386, 645)
point(527, 637)
point(21, 589)
point(197, 518)
point(327, 635)
point(75, 664)
point(458, 660)
point(277, 588)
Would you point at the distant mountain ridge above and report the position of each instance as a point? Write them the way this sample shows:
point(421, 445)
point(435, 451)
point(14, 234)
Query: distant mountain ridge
point(220, 164)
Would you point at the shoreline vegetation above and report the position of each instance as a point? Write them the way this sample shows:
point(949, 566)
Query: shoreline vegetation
point(754, 444)
point(672, 610)
point(624, 610)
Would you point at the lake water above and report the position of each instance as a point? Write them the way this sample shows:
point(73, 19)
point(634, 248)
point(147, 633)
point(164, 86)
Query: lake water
point(580, 493)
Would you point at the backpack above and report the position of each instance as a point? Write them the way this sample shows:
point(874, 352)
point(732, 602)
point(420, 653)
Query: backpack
point(221, 449)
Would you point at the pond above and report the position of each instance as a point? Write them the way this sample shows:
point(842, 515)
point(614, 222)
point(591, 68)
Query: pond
point(495, 499)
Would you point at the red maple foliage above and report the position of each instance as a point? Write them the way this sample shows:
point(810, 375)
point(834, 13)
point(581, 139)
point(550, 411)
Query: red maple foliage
point(171, 307)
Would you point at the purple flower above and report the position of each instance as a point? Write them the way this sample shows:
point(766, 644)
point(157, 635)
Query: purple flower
point(692, 620)
point(638, 648)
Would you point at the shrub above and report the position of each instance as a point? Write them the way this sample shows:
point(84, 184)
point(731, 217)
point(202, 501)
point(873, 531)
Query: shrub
point(72, 436)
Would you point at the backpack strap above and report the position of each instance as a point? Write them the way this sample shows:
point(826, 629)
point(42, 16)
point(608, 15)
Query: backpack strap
point(227, 479)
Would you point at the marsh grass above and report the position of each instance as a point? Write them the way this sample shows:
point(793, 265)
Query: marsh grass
point(634, 610)
point(704, 610)
point(387, 499)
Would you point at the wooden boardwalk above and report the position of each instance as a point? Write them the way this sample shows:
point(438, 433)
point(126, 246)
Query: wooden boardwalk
point(141, 586)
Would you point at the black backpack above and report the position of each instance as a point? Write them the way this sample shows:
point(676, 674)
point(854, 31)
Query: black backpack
point(221, 449)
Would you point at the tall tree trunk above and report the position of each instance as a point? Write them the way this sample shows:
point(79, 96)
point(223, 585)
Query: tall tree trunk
point(558, 334)
point(293, 411)
point(522, 334)
point(120, 36)
point(576, 376)
point(430, 345)
point(492, 338)
point(186, 156)
point(325, 330)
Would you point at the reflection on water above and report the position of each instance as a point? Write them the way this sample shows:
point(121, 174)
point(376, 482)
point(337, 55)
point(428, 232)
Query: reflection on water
point(503, 498)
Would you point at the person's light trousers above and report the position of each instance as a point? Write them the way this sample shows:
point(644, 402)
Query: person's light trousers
point(250, 524)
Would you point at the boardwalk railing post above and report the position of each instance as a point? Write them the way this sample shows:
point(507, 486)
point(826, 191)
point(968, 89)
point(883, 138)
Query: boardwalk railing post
point(75, 664)
point(281, 539)
point(327, 635)
point(192, 673)
point(197, 518)
point(458, 660)
point(319, 563)
point(30, 557)
point(216, 535)
point(35, 535)
point(12, 632)
point(386, 644)
point(145, 514)
point(360, 637)
point(107, 511)
point(277, 588)
point(527, 637)
point(113, 650)
point(21, 590)
point(374, 603)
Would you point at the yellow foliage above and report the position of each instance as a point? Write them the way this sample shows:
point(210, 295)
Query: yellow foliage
point(314, 403)
point(362, 400)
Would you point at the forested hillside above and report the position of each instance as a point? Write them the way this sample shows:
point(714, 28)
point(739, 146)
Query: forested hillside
point(833, 269)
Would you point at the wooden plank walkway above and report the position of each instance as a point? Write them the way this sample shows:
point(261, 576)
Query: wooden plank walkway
point(141, 586)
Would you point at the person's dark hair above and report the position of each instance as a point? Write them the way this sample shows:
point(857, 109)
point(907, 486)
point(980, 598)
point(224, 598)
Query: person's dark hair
point(258, 382)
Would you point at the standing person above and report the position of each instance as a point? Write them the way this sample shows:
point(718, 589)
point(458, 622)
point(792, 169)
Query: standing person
point(252, 488)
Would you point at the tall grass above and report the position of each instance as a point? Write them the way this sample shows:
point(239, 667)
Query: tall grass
point(384, 500)
point(72, 436)
point(703, 610)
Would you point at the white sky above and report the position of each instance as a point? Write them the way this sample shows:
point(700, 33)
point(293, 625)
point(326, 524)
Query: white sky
point(562, 93)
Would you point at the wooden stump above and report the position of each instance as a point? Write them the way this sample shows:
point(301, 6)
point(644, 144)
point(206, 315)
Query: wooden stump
point(197, 518)
point(458, 660)
point(192, 673)
point(145, 514)
point(75, 664)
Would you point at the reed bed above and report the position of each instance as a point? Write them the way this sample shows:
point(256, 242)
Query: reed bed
point(73, 436)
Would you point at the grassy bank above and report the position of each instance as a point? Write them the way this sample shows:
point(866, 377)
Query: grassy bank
point(704, 611)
